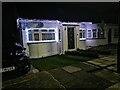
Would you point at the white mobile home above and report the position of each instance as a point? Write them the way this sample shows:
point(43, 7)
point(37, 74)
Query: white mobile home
point(43, 38)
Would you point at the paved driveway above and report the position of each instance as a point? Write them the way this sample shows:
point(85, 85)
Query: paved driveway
point(98, 74)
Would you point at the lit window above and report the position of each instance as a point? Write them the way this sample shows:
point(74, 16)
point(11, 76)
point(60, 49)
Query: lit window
point(94, 33)
point(116, 33)
point(41, 35)
point(82, 33)
point(89, 33)
point(48, 36)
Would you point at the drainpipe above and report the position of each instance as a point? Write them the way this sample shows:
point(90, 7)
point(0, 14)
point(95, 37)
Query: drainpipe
point(118, 46)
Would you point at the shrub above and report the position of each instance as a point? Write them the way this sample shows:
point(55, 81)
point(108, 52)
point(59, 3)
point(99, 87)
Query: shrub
point(85, 53)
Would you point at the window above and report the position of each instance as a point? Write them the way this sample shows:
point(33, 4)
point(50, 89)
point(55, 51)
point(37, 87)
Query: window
point(94, 33)
point(100, 33)
point(36, 30)
point(59, 35)
point(116, 33)
point(30, 35)
point(48, 36)
point(82, 33)
point(51, 30)
point(43, 30)
point(41, 35)
point(36, 36)
point(89, 33)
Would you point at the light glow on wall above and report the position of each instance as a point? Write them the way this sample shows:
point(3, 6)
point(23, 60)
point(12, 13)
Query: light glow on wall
point(72, 23)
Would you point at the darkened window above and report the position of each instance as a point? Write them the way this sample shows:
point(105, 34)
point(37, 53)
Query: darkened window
point(83, 33)
point(115, 33)
point(94, 33)
point(89, 33)
point(51, 30)
point(59, 35)
point(44, 30)
point(36, 36)
point(80, 33)
point(36, 30)
point(100, 33)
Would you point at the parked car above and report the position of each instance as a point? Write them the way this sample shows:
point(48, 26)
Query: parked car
point(16, 62)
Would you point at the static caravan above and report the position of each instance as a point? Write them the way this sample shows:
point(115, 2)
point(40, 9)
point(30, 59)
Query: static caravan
point(95, 35)
point(111, 33)
point(41, 38)
point(98, 34)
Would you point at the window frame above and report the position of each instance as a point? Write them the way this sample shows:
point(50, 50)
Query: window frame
point(96, 30)
point(116, 33)
point(39, 32)
point(90, 33)
point(82, 31)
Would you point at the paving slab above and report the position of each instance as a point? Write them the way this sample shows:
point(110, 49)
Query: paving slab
point(86, 66)
point(94, 62)
point(43, 80)
point(108, 58)
point(113, 68)
point(62, 76)
point(88, 80)
point(102, 62)
point(80, 79)
point(71, 69)
point(108, 75)
point(115, 86)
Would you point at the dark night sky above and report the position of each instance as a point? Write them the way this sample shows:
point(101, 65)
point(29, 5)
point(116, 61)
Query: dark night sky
point(74, 11)
point(77, 11)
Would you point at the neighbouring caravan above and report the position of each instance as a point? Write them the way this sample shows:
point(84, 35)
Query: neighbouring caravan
point(111, 33)
point(97, 34)
point(43, 38)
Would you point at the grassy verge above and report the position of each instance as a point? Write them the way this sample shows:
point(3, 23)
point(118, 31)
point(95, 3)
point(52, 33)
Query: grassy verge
point(56, 61)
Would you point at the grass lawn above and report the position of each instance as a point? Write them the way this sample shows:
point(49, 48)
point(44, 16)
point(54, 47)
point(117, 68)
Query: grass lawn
point(57, 61)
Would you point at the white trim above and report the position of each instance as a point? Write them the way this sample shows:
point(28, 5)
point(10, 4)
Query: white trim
point(41, 41)
point(82, 38)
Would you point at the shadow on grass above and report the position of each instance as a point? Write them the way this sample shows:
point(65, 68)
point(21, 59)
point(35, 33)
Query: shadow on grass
point(56, 61)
